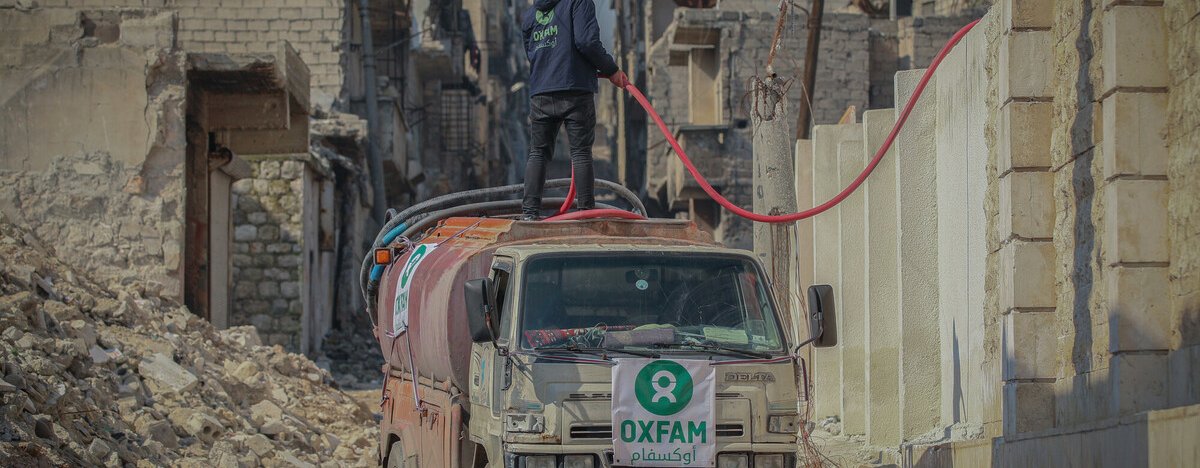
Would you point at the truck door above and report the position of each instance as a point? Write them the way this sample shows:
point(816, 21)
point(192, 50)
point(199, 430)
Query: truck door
point(489, 365)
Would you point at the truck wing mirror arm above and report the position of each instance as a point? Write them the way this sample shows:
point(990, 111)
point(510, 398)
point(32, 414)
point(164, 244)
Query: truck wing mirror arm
point(822, 318)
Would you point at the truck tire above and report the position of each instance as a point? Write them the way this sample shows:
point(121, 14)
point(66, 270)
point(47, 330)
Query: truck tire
point(395, 457)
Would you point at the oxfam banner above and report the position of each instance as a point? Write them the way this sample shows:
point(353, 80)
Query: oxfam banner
point(663, 413)
point(404, 286)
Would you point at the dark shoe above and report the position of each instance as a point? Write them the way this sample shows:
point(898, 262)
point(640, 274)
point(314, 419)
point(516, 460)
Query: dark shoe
point(529, 217)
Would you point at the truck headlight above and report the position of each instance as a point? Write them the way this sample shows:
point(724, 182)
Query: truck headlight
point(527, 423)
point(782, 423)
point(774, 460)
point(540, 461)
point(579, 461)
point(733, 460)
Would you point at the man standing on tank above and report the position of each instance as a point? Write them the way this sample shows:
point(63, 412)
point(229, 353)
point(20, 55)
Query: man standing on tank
point(562, 42)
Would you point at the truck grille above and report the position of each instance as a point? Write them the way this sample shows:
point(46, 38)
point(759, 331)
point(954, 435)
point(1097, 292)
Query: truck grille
point(605, 432)
point(589, 396)
point(729, 430)
point(591, 432)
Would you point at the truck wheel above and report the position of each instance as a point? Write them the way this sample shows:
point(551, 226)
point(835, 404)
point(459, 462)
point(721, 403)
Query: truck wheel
point(396, 455)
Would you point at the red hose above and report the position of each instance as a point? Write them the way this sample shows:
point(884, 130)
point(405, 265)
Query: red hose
point(593, 214)
point(570, 196)
point(787, 218)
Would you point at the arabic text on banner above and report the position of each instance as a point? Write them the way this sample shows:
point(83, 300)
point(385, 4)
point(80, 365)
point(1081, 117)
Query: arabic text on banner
point(663, 413)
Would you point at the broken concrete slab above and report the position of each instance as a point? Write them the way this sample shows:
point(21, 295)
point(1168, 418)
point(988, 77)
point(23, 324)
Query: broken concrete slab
point(265, 412)
point(164, 375)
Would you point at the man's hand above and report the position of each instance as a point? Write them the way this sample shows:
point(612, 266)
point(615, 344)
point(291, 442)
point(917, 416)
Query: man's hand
point(619, 79)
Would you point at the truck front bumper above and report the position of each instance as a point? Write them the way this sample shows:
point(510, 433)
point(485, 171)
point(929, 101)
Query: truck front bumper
point(729, 455)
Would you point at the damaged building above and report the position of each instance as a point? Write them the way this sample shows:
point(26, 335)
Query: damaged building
point(697, 62)
point(219, 154)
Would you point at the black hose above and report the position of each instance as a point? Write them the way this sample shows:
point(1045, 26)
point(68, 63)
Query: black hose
point(489, 194)
point(424, 220)
point(472, 196)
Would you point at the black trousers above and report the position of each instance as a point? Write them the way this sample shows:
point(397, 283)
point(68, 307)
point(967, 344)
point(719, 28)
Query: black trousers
point(577, 110)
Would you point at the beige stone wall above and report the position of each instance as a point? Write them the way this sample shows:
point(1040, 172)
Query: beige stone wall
point(269, 250)
point(949, 7)
point(92, 140)
point(1109, 156)
point(1182, 20)
point(313, 27)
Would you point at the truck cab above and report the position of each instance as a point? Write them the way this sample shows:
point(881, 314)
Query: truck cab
point(542, 390)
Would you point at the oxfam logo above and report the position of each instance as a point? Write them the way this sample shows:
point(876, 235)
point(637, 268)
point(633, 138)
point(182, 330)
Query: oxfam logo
point(663, 387)
point(543, 18)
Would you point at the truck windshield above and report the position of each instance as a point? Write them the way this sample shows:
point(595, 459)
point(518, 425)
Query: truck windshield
point(626, 301)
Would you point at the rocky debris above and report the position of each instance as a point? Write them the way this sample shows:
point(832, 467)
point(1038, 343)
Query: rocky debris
point(109, 375)
point(164, 375)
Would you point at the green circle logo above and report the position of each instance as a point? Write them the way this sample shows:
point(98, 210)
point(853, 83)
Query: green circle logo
point(663, 387)
point(411, 265)
point(543, 18)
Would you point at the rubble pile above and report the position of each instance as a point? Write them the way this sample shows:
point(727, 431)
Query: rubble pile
point(93, 375)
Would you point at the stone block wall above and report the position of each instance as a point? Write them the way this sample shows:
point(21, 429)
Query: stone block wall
point(313, 27)
point(948, 7)
point(920, 38)
point(268, 250)
point(1111, 186)
point(1021, 236)
point(1182, 131)
point(92, 141)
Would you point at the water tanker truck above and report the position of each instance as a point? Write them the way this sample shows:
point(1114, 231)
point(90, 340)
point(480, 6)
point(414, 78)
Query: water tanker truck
point(605, 339)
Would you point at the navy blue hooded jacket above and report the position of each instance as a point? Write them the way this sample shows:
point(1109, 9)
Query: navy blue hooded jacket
point(562, 42)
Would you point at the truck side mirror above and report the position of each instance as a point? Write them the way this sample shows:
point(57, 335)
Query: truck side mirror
point(480, 306)
point(822, 319)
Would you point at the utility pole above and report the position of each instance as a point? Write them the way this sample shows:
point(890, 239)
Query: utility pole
point(379, 201)
point(774, 190)
point(804, 113)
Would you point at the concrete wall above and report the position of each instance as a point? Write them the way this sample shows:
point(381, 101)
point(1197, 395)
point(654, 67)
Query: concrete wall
point(92, 140)
point(910, 360)
point(961, 225)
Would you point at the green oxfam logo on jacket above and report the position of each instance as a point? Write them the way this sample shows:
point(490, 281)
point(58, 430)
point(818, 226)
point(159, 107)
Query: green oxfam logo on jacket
point(663, 387)
point(543, 18)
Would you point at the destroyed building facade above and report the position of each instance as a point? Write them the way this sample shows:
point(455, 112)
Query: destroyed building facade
point(212, 153)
